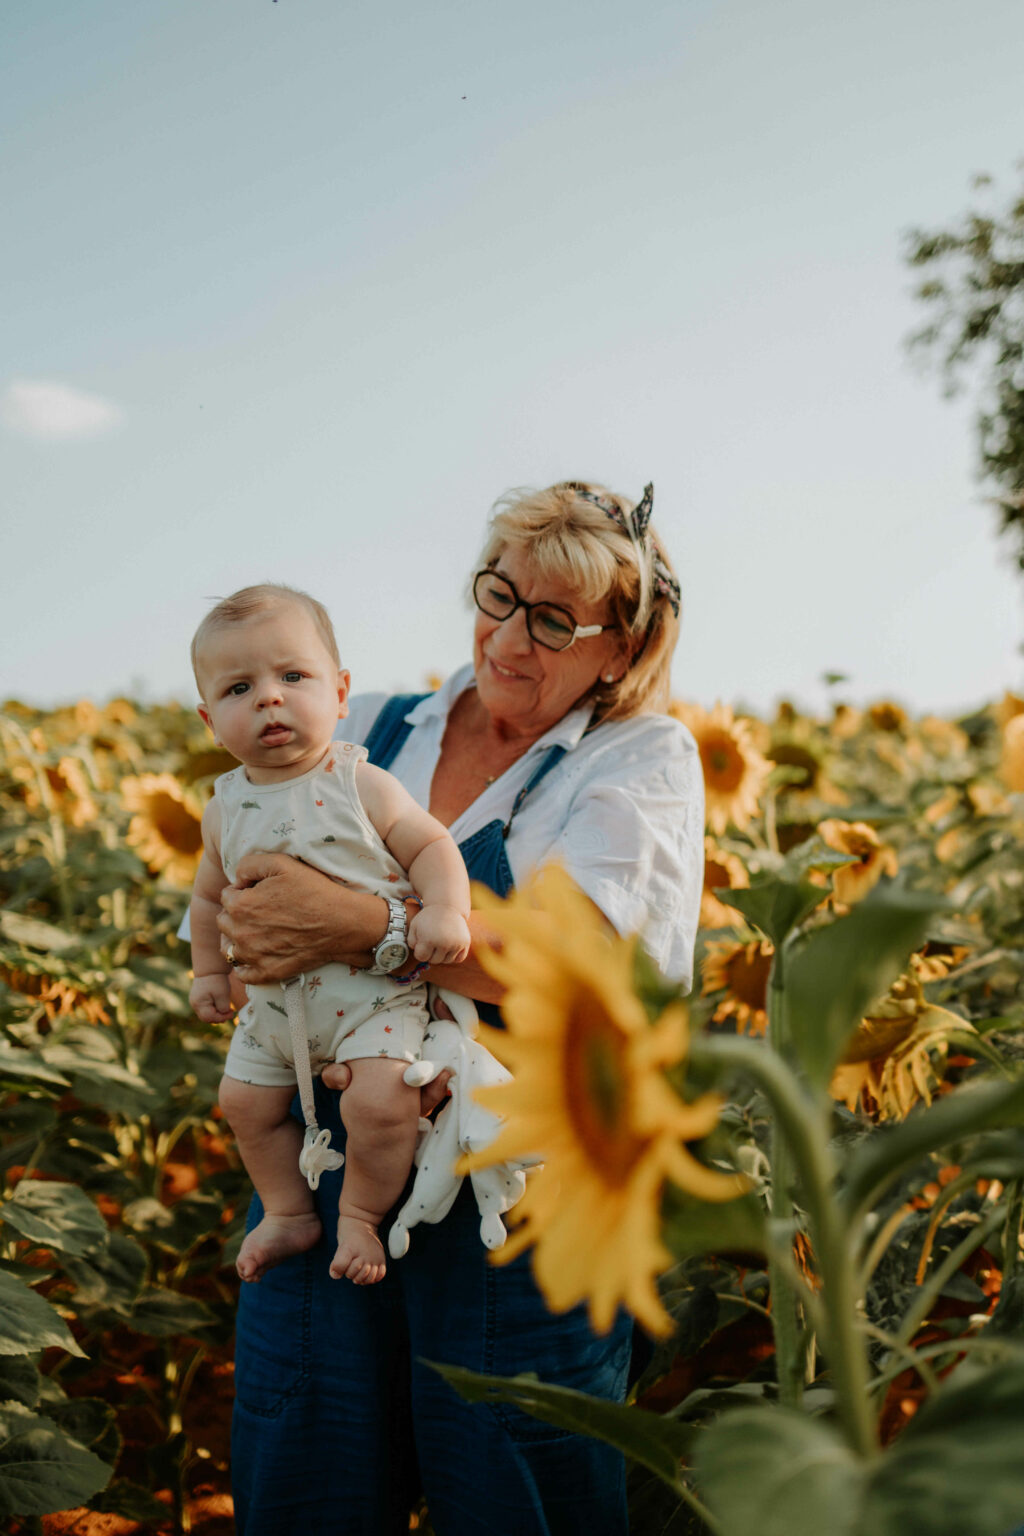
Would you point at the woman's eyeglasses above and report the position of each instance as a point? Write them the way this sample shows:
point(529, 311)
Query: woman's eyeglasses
point(551, 626)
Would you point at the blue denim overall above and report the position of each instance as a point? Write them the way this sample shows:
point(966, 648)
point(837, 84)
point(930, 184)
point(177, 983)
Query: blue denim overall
point(338, 1422)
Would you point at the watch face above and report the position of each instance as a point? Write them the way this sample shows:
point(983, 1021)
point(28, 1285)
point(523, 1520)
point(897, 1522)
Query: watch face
point(390, 956)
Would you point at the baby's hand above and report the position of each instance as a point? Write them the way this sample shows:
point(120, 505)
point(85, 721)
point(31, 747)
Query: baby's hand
point(210, 996)
point(439, 935)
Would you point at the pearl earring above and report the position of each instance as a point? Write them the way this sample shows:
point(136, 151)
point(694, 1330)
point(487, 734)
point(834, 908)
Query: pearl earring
point(609, 677)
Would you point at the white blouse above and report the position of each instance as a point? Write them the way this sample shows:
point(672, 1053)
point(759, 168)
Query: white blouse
point(623, 812)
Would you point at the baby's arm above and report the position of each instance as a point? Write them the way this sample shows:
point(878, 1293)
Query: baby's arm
point(210, 994)
point(439, 933)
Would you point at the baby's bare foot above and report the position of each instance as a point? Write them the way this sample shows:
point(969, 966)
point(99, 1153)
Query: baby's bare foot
point(274, 1239)
point(360, 1255)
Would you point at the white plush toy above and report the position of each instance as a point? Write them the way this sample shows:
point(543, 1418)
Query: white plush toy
point(462, 1125)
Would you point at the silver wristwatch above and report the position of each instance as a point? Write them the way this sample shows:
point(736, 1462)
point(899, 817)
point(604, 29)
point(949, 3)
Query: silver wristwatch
point(393, 950)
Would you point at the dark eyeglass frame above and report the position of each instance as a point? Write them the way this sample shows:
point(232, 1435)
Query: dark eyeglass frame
point(579, 631)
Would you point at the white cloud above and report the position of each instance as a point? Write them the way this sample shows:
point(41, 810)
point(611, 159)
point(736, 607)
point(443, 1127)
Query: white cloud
point(56, 412)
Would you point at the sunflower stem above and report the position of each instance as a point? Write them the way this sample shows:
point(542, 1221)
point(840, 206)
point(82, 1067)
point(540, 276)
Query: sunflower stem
point(800, 1119)
point(787, 1322)
point(770, 829)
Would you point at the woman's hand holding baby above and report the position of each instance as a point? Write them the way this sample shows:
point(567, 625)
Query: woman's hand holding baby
point(282, 918)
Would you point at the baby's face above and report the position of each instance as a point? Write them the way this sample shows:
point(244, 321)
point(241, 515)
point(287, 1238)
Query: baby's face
point(271, 692)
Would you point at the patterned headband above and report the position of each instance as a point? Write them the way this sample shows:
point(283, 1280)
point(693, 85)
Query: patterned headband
point(635, 525)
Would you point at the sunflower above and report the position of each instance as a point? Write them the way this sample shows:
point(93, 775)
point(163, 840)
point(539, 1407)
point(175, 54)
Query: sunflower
point(886, 716)
point(1011, 764)
point(942, 737)
point(63, 790)
point(734, 770)
point(803, 752)
point(1009, 706)
point(741, 971)
point(846, 721)
point(206, 763)
point(166, 828)
point(120, 712)
point(73, 721)
point(59, 998)
point(874, 858)
point(722, 872)
point(591, 1098)
point(897, 1055)
point(986, 800)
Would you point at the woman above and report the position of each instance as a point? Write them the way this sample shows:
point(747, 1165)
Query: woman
point(551, 745)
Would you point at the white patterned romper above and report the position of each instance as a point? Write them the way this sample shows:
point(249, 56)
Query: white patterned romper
point(350, 1014)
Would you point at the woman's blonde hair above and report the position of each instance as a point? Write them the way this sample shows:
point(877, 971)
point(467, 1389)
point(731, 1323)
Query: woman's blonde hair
point(247, 601)
point(571, 540)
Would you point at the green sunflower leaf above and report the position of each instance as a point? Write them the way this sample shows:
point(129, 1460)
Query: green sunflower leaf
point(776, 905)
point(42, 1470)
point(835, 973)
point(28, 1322)
point(55, 1215)
point(657, 1443)
point(780, 1473)
point(163, 1314)
point(957, 1467)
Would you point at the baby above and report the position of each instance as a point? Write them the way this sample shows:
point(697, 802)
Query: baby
point(267, 668)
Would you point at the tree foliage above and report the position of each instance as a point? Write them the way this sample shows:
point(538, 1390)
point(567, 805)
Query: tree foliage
point(973, 288)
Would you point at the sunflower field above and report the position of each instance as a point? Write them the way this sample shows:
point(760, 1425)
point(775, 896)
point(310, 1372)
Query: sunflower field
point(809, 1174)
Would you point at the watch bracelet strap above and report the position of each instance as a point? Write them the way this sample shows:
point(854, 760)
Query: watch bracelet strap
point(394, 904)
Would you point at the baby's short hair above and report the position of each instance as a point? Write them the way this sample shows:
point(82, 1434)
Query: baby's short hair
point(247, 601)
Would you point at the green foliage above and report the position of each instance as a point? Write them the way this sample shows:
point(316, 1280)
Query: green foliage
point(974, 291)
point(121, 1192)
point(956, 1468)
point(836, 1328)
point(121, 1198)
point(43, 1468)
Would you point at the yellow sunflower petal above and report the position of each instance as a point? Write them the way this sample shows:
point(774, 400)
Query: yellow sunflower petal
point(588, 1097)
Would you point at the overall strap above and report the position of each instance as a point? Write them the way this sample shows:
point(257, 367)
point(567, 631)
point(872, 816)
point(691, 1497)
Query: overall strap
point(388, 732)
point(549, 760)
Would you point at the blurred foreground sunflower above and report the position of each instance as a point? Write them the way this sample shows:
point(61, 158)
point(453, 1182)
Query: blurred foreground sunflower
point(166, 828)
point(852, 882)
point(590, 1097)
point(735, 772)
point(741, 971)
point(898, 1054)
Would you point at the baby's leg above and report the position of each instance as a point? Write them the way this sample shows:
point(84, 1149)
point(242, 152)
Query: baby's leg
point(270, 1141)
point(381, 1115)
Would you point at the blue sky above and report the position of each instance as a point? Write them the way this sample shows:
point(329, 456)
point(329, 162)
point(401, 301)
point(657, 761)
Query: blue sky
point(294, 290)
